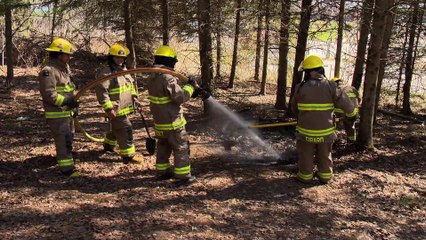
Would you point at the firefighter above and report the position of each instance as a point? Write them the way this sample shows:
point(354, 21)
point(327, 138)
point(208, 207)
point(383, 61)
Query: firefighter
point(313, 103)
point(166, 98)
point(117, 98)
point(349, 123)
point(57, 92)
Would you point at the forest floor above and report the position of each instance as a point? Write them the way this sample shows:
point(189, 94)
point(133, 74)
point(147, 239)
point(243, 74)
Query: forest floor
point(241, 193)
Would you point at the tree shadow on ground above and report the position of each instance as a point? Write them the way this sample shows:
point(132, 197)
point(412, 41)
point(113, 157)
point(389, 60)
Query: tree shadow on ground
point(40, 172)
point(147, 217)
point(404, 163)
point(377, 203)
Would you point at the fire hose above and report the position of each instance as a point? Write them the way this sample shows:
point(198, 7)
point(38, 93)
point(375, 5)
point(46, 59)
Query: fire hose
point(279, 124)
point(94, 83)
point(180, 76)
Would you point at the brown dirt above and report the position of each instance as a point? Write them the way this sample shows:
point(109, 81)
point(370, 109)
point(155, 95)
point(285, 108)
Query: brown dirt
point(240, 194)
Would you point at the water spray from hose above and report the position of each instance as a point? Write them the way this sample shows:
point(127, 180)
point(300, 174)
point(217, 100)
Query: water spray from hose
point(240, 124)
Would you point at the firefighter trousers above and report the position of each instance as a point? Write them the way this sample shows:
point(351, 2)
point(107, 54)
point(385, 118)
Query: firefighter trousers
point(120, 130)
point(62, 130)
point(306, 152)
point(350, 129)
point(175, 141)
point(349, 126)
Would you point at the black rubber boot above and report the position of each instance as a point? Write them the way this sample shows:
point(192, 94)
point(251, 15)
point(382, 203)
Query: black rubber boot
point(166, 176)
point(127, 160)
point(186, 182)
point(108, 148)
point(71, 173)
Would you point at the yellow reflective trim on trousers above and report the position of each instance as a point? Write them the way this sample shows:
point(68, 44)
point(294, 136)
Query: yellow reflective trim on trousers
point(110, 142)
point(316, 133)
point(183, 170)
point(65, 114)
point(306, 177)
point(125, 111)
point(170, 126)
point(65, 162)
point(107, 105)
point(351, 95)
point(315, 106)
point(159, 100)
point(162, 166)
point(328, 175)
point(352, 114)
point(65, 89)
point(121, 89)
point(128, 151)
point(338, 110)
point(59, 100)
point(189, 89)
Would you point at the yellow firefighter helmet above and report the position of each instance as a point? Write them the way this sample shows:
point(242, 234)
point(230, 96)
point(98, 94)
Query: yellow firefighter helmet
point(61, 45)
point(166, 51)
point(311, 62)
point(118, 50)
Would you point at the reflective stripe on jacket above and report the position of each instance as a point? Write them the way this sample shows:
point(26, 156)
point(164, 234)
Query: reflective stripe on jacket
point(313, 103)
point(166, 98)
point(56, 87)
point(116, 93)
point(354, 97)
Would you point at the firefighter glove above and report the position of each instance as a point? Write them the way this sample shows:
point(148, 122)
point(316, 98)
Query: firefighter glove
point(196, 93)
point(191, 81)
point(71, 103)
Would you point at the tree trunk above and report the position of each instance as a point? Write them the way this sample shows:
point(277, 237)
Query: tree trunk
point(409, 61)
point(265, 49)
point(9, 44)
point(401, 65)
point(337, 59)
point(128, 29)
point(302, 38)
point(280, 102)
point(205, 42)
point(165, 8)
point(55, 11)
point(366, 15)
point(371, 74)
point(258, 41)
point(235, 51)
point(420, 30)
point(218, 39)
point(383, 56)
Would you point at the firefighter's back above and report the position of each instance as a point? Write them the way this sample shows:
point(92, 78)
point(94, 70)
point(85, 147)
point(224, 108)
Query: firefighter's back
point(315, 104)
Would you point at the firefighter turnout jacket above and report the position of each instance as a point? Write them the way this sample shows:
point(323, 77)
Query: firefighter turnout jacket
point(166, 98)
point(353, 95)
point(313, 103)
point(347, 119)
point(57, 88)
point(117, 94)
